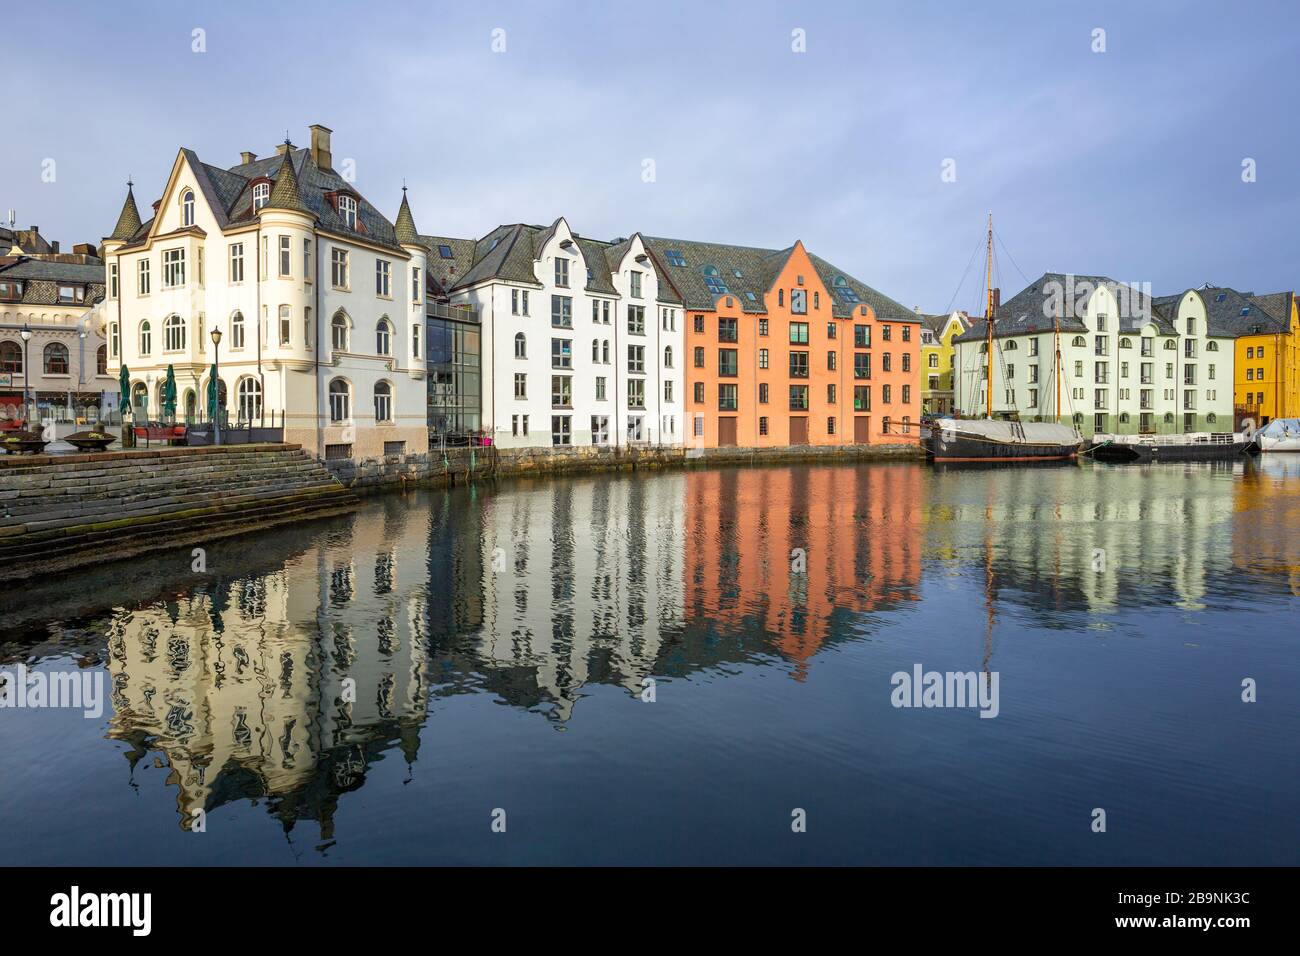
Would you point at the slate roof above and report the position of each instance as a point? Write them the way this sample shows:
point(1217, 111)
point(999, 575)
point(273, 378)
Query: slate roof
point(938, 322)
point(1025, 313)
point(1232, 313)
point(128, 220)
point(229, 193)
point(1276, 304)
point(285, 194)
point(41, 279)
point(404, 227)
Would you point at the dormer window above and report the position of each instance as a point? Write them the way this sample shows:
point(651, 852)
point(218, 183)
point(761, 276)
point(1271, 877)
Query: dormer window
point(187, 208)
point(348, 211)
point(261, 195)
point(713, 279)
point(844, 291)
point(445, 252)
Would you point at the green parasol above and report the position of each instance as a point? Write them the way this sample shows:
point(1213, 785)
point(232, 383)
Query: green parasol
point(212, 395)
point(124, 385)
point(169, 393)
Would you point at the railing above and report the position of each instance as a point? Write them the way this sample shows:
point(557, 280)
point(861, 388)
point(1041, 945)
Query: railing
point(1186, 438)
point(438, 310)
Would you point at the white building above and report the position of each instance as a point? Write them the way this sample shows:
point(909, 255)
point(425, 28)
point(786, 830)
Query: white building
point(318, 297)
point(582, 344)
point(1129, 363)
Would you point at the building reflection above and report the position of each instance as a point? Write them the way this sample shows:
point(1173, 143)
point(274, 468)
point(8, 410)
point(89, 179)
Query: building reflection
point(1266, 519)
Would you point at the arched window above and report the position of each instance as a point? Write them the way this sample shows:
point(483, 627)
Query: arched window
point(1169, 418)
point(348, 210)
point(1170, 345)
point(1011, 346)
point(11, 357)
point(339, 332)
point(190, 405)
point(1078, 418)
point(604, 351)
point(173, 333)
point(1079, 342)
point(101, 360)
point(237, 330)
point(1123, 418)
point(383, 402)
point(384, 338)
point(668, 356)
point(146, 338)
point(1211, 346)
point(286, 330)
point(187, 208)
point(521, 345)
point(261, 195)
point(1211, 418)
point(1125, 343)
point(595, 350)
point(248, 395)
point(56, 359)
point(140, 397)
point(340, 401)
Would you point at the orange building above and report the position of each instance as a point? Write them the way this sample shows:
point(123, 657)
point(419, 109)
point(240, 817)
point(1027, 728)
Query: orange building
point(782, 348)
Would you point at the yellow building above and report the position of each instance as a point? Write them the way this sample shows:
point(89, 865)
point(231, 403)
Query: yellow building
point(1266, 359)
point(937, 332)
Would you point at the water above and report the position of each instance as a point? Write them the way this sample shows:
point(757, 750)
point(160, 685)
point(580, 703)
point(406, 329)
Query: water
point(370, 689)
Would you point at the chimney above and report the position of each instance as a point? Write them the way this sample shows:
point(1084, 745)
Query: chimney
point(320, 146)
point(84, 249)
point(54, 247)
point(156, 204)
point(246, 157)
point(283, 148)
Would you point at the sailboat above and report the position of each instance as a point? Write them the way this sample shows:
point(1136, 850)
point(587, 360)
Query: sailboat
point(990, 439)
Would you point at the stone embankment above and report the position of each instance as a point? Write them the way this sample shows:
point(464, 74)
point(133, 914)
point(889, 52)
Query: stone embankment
point(63, 511)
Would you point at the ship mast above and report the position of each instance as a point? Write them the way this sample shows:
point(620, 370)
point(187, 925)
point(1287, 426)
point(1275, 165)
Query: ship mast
point(1056, 374)
point(988, 321)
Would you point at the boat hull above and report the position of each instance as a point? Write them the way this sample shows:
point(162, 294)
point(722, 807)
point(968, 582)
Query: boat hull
point(943, 447)
point(1137, 452)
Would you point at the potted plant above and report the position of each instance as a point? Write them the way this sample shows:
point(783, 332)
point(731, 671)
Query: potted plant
point(20, 442)
point(91, 440)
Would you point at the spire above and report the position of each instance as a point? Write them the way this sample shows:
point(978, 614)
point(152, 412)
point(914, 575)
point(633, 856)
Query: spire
point(128, 221)
point(285, 194)
point(407, 235)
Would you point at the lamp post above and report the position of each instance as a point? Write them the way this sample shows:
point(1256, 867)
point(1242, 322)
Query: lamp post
point(216, 385)
point(27, 375)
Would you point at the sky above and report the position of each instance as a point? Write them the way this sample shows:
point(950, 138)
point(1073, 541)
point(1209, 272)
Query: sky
point(883, 143)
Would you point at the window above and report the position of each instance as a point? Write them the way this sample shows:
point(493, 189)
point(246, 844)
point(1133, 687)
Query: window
point(713, 279)
point(348, 211)
point(699, 356)
point(604, 351)
point(847, 295)
point(885, 361)
point(518, 301)
point(519, 425)
point(562, 272)
point(114, 339)
point(831, 361)
point(762, 393)
point(830, 425)
point(173, 268)
point(762, 358)
point(237, 330)
point(907, 395)
point(236, 262)
point(286, 256)
point(340, 400)
point(383, 278)
point(11, 357)
point(561, 390)
point(112, 280)
point(306, 260)
point(636, 393)
point(727, 398)
point(187, 208)
point(762, 425)
point(101, 360)
point(830, 394)
point(600, 388)
point(636, 284)
point(862, 398)
point(521, 346)
point(142, 277)
point(668, 390)
point(561, 430)
point(727, 331)
point(383, 402)
point(798, 364)
point(173, 334)
point(798, 398)
point(862, 336)
point(636, 358)
point(675, 257)
point(762, 327)
point(798, 333)
point(56, 359)
point(699, 392)
point(339, 331)
point(561, 311)
point(636, 319)
point(728, 364)
point(248, 399)
point(600, 429)
point(384, 338)
point(885, 394)
point(308, 330)
point(521, 385)
point(339, 268)
point(668, 356)
point(699, 323)
point(561, 353)
point(445, 252)
point(862, 365)
point(415, 341)
point(261, 195)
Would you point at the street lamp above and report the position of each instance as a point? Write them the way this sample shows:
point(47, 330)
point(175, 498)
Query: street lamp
point(216, 384)
point(27, 374)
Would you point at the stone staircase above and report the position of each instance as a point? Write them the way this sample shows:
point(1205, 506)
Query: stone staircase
point(63, 511)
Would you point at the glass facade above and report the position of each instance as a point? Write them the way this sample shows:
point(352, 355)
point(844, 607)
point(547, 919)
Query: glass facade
point(454, 374)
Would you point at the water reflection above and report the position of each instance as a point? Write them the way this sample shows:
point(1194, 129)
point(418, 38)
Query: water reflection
point(315, 653)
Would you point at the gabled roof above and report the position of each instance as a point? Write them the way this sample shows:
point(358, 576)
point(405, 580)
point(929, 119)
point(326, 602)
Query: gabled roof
point(1025, 313)
point(1232, 313)
point(939, 321)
